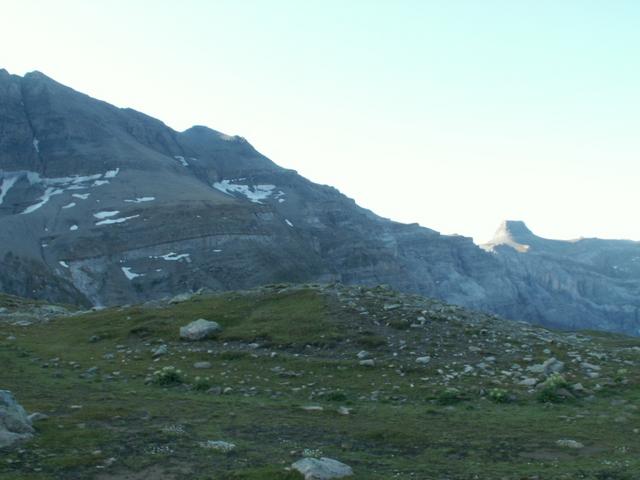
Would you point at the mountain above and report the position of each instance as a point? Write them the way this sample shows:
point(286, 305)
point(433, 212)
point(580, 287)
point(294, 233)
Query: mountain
point(105, 206)
point(572, 284)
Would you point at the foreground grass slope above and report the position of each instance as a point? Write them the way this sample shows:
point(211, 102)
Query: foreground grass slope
point(436, 392)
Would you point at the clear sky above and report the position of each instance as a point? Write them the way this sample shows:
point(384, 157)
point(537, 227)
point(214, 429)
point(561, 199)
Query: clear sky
point(455, 114)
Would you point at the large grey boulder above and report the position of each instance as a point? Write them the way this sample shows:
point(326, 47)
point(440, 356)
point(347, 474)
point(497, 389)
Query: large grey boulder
point(15, 424)
point(200, 329)
point(322, 468)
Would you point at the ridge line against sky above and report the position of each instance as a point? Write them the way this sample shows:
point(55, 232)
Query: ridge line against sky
point(456, 115)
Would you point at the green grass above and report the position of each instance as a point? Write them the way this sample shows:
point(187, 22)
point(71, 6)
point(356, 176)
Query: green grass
point(410, 429)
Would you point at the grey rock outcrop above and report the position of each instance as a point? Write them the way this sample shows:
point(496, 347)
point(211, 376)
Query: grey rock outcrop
point(322, 468)
point(15, 424)
point(200, 329)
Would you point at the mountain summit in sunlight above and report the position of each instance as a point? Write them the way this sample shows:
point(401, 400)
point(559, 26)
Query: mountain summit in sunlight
point(105, 206)
point(513, 233)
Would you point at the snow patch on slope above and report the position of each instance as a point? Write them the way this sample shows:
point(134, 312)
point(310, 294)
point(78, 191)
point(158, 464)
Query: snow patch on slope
point(181, 159)
point(255, 193)
point(101, 215)
point(48, 193)
point(175, 257)
point(54, 186)
point(131, 274)
point(141, 199)
point(6, 185)
point(110, 221)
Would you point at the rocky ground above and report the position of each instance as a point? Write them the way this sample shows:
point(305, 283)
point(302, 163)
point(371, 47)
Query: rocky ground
point(390, 385)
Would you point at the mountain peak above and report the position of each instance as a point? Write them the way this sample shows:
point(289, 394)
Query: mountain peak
point(37, 75)
point(513, 233)
point(515, 228)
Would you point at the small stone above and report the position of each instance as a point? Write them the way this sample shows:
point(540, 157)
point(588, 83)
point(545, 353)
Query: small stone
point(567, 443)
point(368, 363)
point(589, 366)
point(161, 350)
point(218, 445)
point(362, 354)
point(202, 365)
point(37, 416)
point(528, 382)
point(392, 306)
point(423, 360)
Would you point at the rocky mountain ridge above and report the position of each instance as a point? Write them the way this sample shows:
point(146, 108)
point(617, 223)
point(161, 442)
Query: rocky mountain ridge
point(104, 206)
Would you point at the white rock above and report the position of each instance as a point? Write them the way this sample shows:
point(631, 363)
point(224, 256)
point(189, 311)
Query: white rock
point(423, 360)
point(569, 443)
point(219, 445)
point(322, 468)
point(199, 330)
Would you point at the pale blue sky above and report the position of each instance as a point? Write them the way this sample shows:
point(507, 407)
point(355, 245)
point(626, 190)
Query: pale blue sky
point(454, 114)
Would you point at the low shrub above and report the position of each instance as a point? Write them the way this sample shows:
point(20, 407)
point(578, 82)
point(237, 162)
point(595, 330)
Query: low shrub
point(202, 384)
point(168, 376)
point(499, 395)
point(550, 390)
point(449, 396)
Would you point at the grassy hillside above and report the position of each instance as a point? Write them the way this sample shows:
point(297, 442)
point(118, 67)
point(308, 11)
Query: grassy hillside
point(285, 380)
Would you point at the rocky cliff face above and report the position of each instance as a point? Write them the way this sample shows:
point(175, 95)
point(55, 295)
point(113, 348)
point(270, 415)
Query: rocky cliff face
point(577, 284)
point(101, 205)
